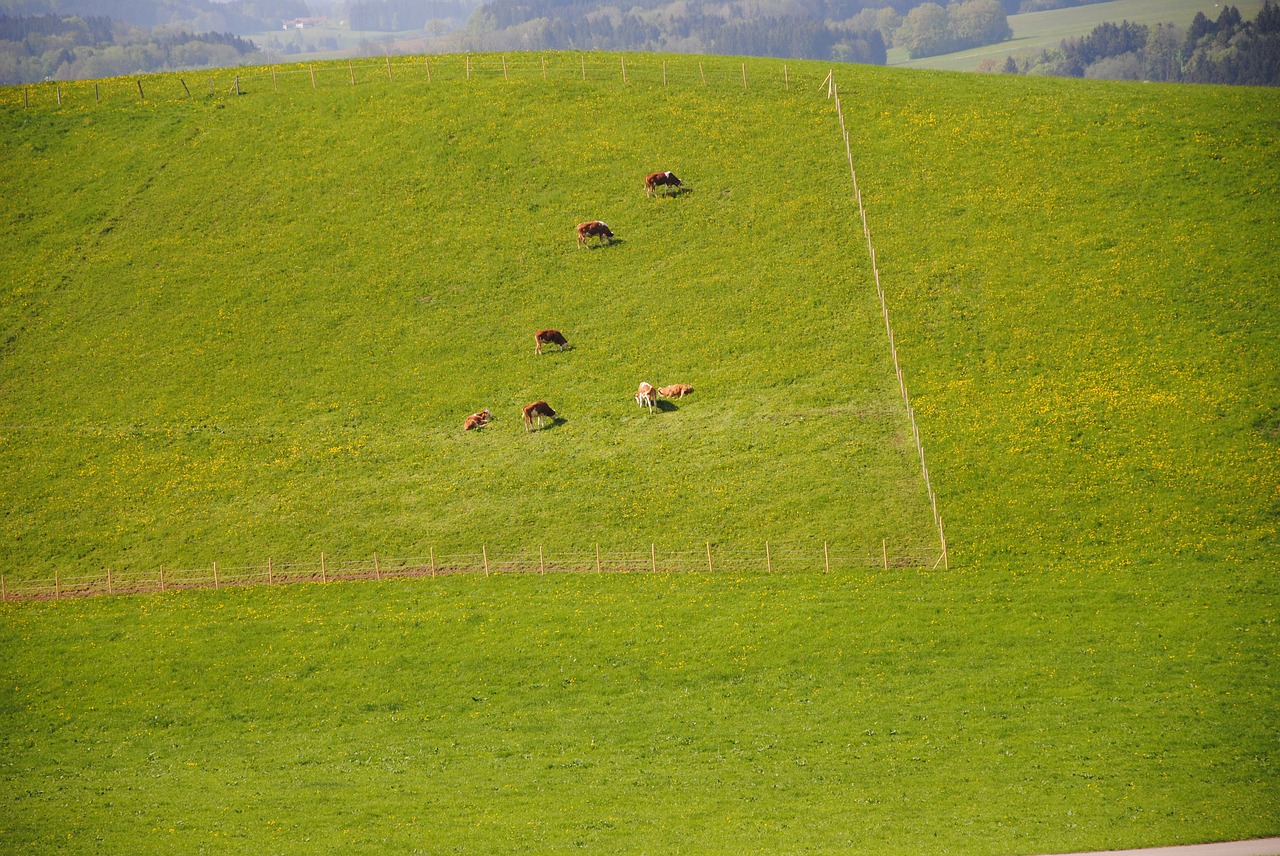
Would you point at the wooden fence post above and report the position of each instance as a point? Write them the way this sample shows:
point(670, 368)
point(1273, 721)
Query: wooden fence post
point(237, 84)
point(433, 561)
point(884, 550)
point(826, 558)
point(270, 576)
point(57, 585)
point(597, 557)
point(324, 574)
point(504, 68)
point(786, 79)
point(768, 558)
point(109, 591)
point(97, 96)
point(664, 72)
point(468, 66)
point(584, 66)
point(390, 76)
point(542, 568)
point(377, 572)
point(624, 69)
point(188, 91)
point(140, 93)
point(312, 66)
point(162, 578)
point(744, 75)
point(703, 73)
point(946, 562)
point(275, 84)
point(58, 90)
point(484, 551)
point(215, 575)
point(710, 569)
point(428, 63)
point(351, 70)
point(653, 556)
point(544, 68)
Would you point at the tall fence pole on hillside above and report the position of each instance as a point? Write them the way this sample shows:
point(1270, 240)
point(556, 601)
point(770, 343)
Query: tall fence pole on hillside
point(351, 70)
point(484, 551)
point(312, 66)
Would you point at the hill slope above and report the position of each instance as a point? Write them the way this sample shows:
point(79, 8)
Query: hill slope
point(1083, 285)
point(292, 324)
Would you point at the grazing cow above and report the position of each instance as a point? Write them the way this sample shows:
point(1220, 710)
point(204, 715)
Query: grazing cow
point(537, 410)
point(549, 337)
point(667, 179)
point(593, 229)
point(676, 390)
point(646, 395)
point(477, 420)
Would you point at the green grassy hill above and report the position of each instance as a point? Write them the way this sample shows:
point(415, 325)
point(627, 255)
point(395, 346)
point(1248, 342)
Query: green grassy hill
point(1039, 30)
point(293, 323)
point(1083, 284)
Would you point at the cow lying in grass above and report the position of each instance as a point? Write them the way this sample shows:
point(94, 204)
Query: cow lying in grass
point(477, 420)
point(676, 390)
point(537, 410)
point(549, 337)
point(656, 179)
point(593, 229)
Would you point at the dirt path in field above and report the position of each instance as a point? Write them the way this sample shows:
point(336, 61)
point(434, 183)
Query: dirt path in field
point(1258, 847)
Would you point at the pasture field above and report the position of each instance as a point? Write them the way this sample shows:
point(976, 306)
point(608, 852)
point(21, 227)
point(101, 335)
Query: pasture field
point(1084, 284)
point(1039, 30)
point(296, 296)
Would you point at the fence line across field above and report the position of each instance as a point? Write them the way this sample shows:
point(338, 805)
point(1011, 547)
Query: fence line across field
point(767, 559)
point(625, 69)
point(833, 92)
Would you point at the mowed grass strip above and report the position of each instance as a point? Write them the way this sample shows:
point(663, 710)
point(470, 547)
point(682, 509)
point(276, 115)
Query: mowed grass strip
point(864, 713)
point(257, 336)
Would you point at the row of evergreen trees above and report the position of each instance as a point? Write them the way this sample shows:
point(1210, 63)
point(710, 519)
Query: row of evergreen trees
point(1229, 50)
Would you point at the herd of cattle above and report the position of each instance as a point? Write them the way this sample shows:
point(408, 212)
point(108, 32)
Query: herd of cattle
point(647, 395)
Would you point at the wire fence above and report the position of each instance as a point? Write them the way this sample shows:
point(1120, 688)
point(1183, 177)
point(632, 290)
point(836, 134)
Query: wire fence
point(834, 93)
point(549, 67)
point(767, 559)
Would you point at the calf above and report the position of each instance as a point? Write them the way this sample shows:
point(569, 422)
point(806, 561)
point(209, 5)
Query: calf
point(477, 420)
point(549, 337)
point(537, 410)
point(676, 390)
point(646, 395)
point(593, 229)
point(667, 179)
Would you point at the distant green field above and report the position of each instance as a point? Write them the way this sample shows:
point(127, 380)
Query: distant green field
point(1084, 284)
point(1037, 30)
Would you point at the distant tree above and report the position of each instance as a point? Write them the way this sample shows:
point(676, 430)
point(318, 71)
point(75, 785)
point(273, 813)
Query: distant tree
point(977, 23)
point(924, 31)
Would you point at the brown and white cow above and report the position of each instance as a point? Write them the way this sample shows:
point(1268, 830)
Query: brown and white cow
point(676, 390)
point(656, 179)
point(646, 395)
point(593, 229)
point(537, 410)
point(549, 337)
point(477, 420)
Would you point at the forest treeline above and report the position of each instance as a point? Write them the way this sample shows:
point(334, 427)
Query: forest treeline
point(78, 39)
point(49, 47)
point(842, 30)
point(1230, 50)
